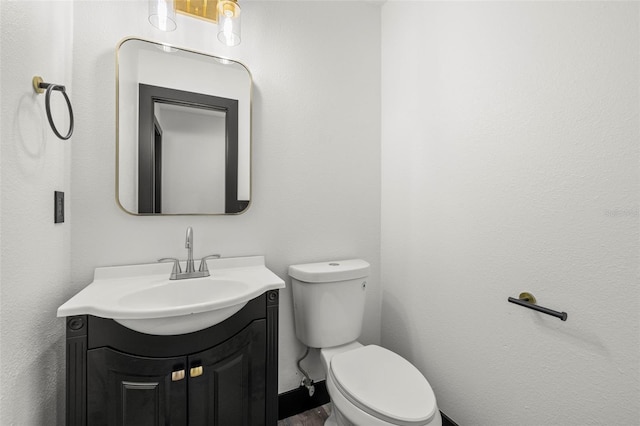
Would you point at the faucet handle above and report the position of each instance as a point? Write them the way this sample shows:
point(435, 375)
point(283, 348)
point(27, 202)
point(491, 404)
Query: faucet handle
point(203, 262)
point(176, 266)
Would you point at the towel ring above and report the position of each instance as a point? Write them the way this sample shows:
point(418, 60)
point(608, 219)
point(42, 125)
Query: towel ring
point(40, 86)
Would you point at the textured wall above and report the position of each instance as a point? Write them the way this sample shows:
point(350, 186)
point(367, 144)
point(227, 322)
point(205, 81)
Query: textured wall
point(315, 184)
point(36, 39)
point(316, 147)
point(510, 163)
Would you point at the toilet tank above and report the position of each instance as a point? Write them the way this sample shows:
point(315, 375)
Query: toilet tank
point(328, 301)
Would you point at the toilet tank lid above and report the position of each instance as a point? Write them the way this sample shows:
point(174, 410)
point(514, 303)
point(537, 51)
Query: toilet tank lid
point(326, 272)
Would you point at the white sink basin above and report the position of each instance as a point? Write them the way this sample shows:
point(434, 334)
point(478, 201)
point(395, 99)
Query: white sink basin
point(188, 293)
point(142, 298)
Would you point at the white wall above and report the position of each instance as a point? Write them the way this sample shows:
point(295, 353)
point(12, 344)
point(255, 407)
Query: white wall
point(316, 147)
point(510, 163)
point(35, 39)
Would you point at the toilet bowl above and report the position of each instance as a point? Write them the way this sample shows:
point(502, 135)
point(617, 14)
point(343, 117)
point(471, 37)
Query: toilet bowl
point(368, 385)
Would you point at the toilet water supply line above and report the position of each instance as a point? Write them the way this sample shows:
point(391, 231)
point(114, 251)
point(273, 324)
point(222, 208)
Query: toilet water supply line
point(306, 382)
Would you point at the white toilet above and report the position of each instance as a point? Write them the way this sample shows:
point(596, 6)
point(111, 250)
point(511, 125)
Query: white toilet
point(368, 385)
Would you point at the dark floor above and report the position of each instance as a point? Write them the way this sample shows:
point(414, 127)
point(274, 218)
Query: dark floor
point(314, 417)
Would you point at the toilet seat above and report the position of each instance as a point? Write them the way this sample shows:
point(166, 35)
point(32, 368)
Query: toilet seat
point(384, 385)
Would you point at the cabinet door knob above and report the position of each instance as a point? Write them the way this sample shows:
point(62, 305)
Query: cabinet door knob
point(196, 371)
point(177, 375)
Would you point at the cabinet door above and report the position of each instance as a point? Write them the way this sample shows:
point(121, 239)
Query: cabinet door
point(227, 382)
point(126, 390)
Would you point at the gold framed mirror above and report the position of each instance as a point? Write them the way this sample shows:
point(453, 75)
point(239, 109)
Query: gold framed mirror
point(183, 131)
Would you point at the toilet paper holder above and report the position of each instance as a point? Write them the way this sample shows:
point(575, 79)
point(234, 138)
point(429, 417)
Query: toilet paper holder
point(529, 301)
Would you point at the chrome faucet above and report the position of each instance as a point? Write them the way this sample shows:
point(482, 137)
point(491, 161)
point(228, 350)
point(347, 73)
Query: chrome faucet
point(188, 244)
point(190, 271)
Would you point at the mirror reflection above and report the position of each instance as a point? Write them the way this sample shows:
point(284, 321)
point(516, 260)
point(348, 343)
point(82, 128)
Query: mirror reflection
point(184, 127)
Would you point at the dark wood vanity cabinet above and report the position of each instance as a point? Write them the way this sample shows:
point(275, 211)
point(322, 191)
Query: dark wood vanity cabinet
point(124, 389)
point(224, 375)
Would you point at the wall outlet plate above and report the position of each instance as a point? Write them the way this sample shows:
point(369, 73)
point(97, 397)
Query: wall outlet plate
point(58, 208)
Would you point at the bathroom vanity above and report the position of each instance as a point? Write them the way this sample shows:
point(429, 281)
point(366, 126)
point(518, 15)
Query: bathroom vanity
point(224, 374)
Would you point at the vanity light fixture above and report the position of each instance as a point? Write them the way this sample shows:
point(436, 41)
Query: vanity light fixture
point(225, 13)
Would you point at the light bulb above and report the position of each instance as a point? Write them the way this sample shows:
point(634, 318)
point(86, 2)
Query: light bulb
point(229, 22)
